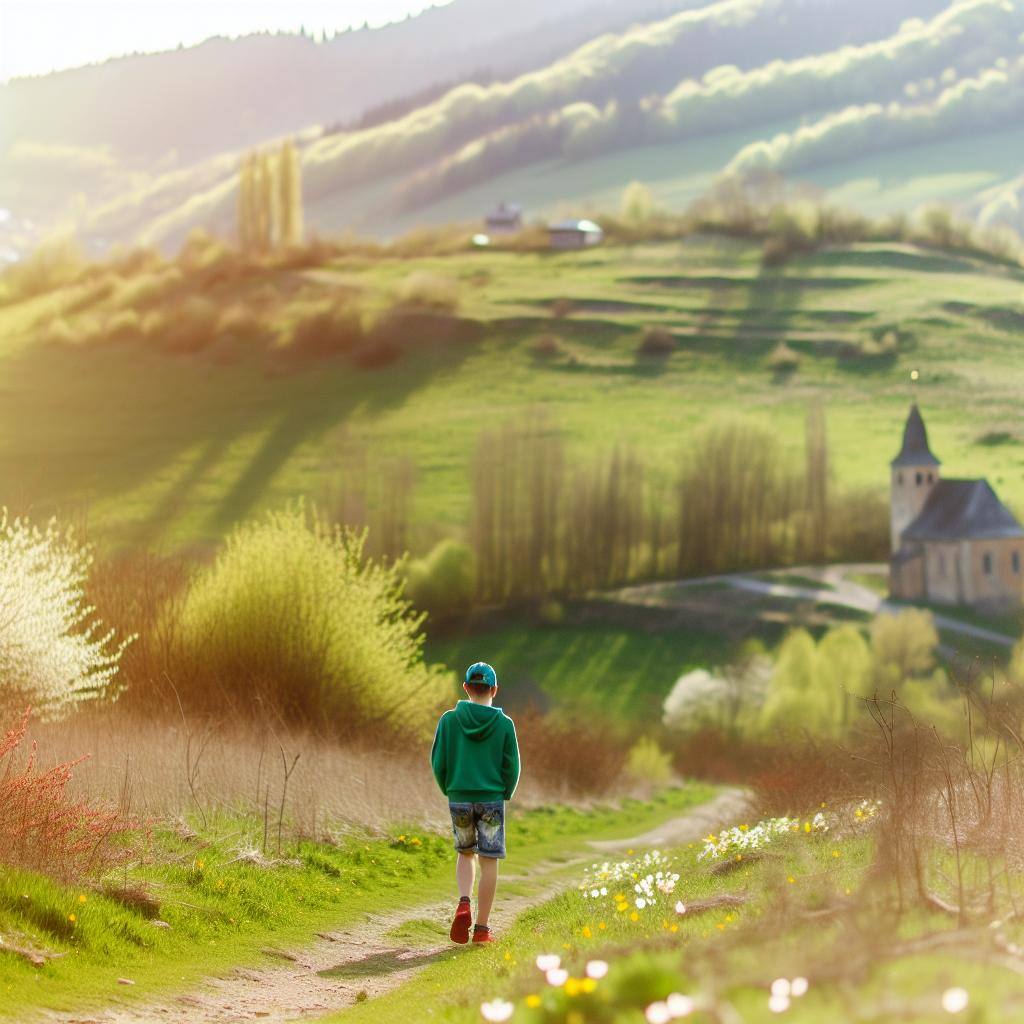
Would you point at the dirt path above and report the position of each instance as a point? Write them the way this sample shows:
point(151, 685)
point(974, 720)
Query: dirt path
point(361, 961)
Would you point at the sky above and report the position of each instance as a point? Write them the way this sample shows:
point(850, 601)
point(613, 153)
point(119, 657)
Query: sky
point(38, 36)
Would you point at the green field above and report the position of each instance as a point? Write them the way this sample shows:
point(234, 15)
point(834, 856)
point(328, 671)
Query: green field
point(613, 673)
point(173, 449)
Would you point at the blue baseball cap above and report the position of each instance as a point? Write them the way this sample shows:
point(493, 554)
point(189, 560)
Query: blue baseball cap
point(481, 672)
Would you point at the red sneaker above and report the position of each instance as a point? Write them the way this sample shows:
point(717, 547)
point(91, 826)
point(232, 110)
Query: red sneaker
point(481, 933)
point(460, 926)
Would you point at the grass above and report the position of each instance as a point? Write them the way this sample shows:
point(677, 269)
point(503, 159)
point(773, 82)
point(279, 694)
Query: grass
point(618, 673)
point(172, 450)
point(727, 956)
point(223, 911)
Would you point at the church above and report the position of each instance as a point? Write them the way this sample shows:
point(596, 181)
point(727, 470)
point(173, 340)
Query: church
point(953, 541)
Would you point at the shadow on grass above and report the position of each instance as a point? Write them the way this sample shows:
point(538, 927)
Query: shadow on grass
point(375, 965)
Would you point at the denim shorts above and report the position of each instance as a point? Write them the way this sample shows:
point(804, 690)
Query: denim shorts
point(479, 828)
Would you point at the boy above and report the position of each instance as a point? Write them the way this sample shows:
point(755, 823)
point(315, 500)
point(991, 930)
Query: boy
point(475, 758)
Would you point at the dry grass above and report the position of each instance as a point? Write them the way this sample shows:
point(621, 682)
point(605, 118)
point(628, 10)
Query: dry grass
point(168, 768)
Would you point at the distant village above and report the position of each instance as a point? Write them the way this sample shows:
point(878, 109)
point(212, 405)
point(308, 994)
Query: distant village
point(507, 219)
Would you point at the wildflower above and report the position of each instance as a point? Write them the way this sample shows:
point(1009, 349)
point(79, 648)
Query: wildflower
point(548, 962)
point(634, 916)
point(778, 1004)
point(680, 907)
point(401, 839)
point(798, 987)
point(954, 1000)
point(640, 903)
point(508, 955)
point(781, 987)
point(835, 853)
point(679, 1005)
point(496, 1010)
point(791, 879)
point(587, 932)
point(601, 925)
point(658, 1013)
point(533, 1001)
point(597, 969)
point(415, 841)
point(82, 898)
point(557, 976)
point(587, 985)
point(72, 918)
point(572, 987)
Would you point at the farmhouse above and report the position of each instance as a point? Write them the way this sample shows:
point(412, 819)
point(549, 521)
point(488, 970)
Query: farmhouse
point(953, 541)
point(505, 219)
point(575, 234)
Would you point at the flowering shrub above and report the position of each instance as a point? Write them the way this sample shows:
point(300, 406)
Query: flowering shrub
point(41, 828)
point(51, 655)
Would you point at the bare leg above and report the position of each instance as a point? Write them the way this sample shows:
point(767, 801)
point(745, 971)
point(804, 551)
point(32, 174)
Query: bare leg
point(464, 874)
point(488, 886)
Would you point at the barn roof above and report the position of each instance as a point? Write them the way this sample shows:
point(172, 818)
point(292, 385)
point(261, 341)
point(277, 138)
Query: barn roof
point(963, 510)
point(585, 226)
point(915, 450)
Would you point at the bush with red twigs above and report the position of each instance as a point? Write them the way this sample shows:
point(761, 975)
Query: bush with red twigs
point(42, 828)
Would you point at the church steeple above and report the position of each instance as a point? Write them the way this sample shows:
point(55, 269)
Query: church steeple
point(915, 472)
point(915, 450)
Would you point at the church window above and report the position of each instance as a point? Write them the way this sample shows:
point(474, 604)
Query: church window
point(986, 563)
point(1015, 560)
point(931, 478)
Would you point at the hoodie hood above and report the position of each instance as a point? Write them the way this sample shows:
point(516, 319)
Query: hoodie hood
point(477, 721)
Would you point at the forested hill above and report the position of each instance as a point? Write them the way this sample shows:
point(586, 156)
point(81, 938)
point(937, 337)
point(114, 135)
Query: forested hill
point(885, 104)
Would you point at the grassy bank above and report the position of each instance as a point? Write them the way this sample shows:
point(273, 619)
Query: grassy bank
point(808, 909)
point(223, 902)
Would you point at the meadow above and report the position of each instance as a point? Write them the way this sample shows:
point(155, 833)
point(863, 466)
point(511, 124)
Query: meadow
point(152, 444)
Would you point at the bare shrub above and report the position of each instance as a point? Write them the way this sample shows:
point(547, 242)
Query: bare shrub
point(192, 327)
point(423, 289)
point(783, 360)
point(547, 346)
point(326, 329)
point(657, 343)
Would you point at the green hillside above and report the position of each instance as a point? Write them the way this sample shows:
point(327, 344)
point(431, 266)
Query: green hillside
point(112, 409)
point(913, 102)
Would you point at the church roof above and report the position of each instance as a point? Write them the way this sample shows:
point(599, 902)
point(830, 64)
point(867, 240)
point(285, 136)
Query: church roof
point(963, 510)
point(915, 450)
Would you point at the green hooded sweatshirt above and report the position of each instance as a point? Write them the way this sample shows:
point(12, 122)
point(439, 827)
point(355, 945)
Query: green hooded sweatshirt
point(475, 755)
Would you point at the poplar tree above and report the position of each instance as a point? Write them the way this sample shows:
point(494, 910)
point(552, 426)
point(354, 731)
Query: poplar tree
point(289, 187)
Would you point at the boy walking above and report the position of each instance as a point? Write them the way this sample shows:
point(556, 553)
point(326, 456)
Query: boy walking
point(475, 758)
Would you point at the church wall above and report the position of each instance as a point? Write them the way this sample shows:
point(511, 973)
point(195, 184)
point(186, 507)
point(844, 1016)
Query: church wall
point(1001, 585)
point(906, 579)
point(944, 571)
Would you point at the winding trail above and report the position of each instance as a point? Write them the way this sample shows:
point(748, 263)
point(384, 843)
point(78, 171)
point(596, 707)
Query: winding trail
point(361, 961)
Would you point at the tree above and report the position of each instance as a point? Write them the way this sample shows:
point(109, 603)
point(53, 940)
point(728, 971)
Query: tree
point(637, 203)
point(844, 666)
point(289, 189)
point(902, 647)
point(796, 698)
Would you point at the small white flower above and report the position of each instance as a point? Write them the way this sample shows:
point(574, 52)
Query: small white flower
point(595, 893)
point(780, 987)
point(680, 907)
point(557, 976)
point(658, 1013)
point(597, 969)
point(798, 987)
point(496, 1010)
point(680, 1006)
point(954, 1000)
point(641, 903)
point(778, 1003)
point(548, 962)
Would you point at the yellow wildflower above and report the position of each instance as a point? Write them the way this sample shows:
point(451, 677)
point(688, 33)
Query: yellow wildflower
point(82, 898)
point(587, 932)
point(634, 916)
point(533, 1002)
